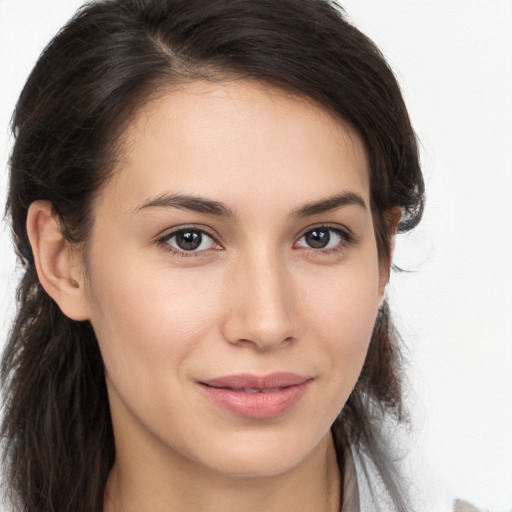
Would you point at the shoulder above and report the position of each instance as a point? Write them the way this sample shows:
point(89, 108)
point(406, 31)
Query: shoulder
point(363, 488)
point(464, 506)
point(364, 491)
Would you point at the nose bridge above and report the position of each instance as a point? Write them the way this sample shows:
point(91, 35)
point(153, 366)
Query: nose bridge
point(261, 309)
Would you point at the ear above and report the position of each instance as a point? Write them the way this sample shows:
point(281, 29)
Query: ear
point(57, 261)
point(392, 219)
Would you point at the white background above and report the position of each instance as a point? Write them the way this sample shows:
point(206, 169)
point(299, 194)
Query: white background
point(453, 59)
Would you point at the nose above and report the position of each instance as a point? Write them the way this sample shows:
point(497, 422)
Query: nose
point(260, 303)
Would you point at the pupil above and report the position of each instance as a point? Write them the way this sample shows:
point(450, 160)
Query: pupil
point(318, 238)
point(188, 240)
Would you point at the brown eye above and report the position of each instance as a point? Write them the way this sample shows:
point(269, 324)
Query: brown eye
point(190, 240)
point(318, 238)
point(321, 238)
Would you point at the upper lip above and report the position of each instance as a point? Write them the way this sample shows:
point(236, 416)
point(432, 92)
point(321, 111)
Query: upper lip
point(260, 382)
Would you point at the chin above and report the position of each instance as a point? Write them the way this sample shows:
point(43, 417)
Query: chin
point(259, 457)
point(259, 466)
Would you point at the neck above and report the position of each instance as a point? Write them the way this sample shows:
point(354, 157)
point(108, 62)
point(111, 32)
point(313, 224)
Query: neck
point(151, 481)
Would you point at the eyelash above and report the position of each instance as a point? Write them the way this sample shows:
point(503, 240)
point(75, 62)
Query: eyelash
point(163, 242)
point(346, 238)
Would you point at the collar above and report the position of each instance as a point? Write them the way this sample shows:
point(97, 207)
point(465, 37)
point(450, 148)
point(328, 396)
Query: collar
point(350, 487)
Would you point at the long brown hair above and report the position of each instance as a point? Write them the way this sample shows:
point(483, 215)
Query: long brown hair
point(111, 58)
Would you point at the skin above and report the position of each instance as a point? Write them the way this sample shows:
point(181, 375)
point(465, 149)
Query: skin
point(255, 298)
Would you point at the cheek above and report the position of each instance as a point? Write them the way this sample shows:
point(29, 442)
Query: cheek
point(343, 313)
point(147, 316)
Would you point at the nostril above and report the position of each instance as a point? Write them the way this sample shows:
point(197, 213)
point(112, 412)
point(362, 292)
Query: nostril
point(260, 312)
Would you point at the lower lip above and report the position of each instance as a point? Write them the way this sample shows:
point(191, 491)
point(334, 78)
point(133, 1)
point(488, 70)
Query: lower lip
point(256, 405)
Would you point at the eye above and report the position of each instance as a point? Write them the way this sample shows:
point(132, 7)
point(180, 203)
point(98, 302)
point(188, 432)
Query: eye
point(322, 238)
point(189, 240)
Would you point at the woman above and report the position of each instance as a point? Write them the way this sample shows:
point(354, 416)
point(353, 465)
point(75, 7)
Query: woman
point(204, 196)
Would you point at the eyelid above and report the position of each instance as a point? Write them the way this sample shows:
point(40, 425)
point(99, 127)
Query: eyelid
point(344, 231)
point(346, 235)
point(164, 236)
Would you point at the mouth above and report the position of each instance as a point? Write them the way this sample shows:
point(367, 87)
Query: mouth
point(256, 383)
point(258, 397)
point(256, 390)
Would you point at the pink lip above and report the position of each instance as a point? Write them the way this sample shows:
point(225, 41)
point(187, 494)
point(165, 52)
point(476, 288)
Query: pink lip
point(253, 396)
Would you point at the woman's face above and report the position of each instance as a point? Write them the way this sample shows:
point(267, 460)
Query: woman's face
point(233, 278)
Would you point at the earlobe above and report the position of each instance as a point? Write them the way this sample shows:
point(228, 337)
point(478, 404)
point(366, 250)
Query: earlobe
point(56, 261)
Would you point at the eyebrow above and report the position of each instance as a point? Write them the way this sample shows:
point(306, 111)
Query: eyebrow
point(187, 202)
point(330, 204)
point(211, 207)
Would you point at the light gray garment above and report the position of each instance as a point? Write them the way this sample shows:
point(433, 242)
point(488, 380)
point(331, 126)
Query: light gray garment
point(358, 494)
point(364, 491)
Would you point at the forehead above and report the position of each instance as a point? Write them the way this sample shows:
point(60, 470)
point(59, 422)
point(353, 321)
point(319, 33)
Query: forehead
point(235, 141)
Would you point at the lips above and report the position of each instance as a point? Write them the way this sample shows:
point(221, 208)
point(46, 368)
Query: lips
point(254, 396)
